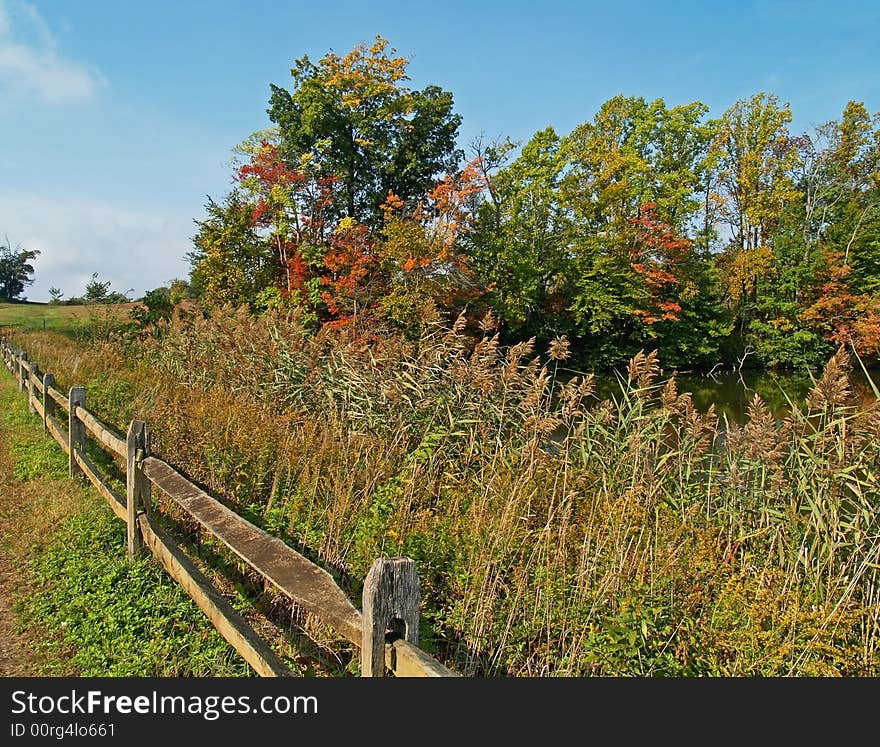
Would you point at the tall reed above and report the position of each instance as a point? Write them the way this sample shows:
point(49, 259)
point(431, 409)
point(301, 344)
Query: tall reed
point(555, 533)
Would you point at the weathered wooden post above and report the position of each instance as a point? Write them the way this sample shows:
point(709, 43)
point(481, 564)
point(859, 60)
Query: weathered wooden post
point(76, 430)
point(48, 402)
point(137, 484)
point(390, 604)
point(30, 372)
point(22, 367)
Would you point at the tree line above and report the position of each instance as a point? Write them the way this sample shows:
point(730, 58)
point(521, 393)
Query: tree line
point(712, 239)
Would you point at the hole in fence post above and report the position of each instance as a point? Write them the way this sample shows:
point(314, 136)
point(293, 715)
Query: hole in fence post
point(137, 484)
point(76, 430)
point(390, 604)
point(48, 402)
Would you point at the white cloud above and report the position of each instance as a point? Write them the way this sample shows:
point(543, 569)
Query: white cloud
point(135, 250)
point(30, 63)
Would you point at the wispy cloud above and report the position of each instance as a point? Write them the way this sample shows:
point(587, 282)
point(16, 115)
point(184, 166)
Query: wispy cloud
point(31, 63)
point(136, 250)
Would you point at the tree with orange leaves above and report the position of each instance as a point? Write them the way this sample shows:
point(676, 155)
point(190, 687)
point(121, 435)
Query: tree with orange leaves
point(335, 269)
point(657, 254)
point(328, 265)
point(842, 316)
point(421, 250)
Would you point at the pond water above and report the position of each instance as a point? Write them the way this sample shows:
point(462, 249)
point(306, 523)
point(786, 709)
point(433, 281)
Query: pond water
point(731, 392)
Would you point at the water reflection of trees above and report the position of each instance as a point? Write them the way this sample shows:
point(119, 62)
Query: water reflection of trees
point(731, 393)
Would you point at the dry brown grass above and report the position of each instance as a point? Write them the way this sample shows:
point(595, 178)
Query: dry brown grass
point(555, 534)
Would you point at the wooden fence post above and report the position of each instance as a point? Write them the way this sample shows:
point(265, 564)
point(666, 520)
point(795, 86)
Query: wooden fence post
point(76, 431)
point(137, 484)
point(48, 402)
point(22, 365)
point(390, 603)
point(31, 371)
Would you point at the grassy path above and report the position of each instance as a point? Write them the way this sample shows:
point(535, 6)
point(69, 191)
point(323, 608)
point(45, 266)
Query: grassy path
point(29, 511)
point(70, 603)
point(16, 655)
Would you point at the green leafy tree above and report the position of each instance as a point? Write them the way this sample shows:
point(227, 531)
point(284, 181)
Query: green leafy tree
point(756, 159)
point(180, 290)
point(850, 213)
point(519, 245)
point(635, 153)
point(818, 282)
point(231, 263)
point(16, 270)
point(633, 157)
point(354, 119)
point(98, 291)
point(560, 238)
point(154, 307)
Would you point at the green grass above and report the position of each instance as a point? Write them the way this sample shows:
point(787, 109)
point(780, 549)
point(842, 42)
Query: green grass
point(67, 320)
point(85, 608)
point(122, 619)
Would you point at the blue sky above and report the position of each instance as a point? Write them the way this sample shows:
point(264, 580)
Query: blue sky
point(117, 119)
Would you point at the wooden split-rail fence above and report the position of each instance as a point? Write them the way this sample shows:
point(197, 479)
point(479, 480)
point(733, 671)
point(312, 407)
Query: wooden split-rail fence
point(385, 629)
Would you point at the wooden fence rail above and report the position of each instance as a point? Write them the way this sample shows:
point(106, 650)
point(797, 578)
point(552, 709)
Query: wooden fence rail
point(391, 590)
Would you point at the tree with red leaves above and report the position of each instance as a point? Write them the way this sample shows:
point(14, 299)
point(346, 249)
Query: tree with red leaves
point(657, 255)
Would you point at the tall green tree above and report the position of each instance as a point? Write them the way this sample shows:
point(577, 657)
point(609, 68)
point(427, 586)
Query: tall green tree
point(231, 262)
point(821, 249)
point(355, 119)
point(843, 304)
point(16, 270)
point(851, 210)
point(756, 161)
point(519, 243)
point(633, 154)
